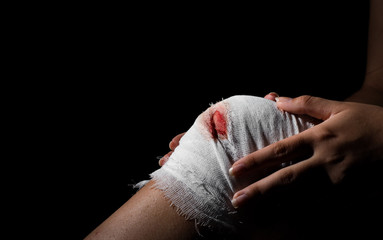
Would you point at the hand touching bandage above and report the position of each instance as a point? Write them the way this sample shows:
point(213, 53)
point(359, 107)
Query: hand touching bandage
point(196, 176)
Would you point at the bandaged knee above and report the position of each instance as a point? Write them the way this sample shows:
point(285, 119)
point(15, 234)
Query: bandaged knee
point(196, 177)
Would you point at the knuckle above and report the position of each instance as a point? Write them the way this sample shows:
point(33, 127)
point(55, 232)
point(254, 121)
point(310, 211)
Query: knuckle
point(336, 177)
point(305, 99)
point(287, 176)
point(280, 150)
point(324, 134)
point(337, 169)
point(255, 190)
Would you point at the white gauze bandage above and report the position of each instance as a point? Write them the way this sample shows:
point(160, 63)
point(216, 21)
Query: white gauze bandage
point(196, 177)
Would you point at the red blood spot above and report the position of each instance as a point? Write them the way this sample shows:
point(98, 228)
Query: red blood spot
point(218, 125)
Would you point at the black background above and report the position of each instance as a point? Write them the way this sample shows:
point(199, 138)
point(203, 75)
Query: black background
point(124, 80)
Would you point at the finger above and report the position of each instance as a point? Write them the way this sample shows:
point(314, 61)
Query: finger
point(297, 147)
point(313, 106)
point(175, 141)
point(272, 96)
point(284, 178)
point(165, 158)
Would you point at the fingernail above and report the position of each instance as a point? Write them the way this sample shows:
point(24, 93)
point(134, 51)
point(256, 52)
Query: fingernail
point(271, 96)
point(283, 99)
point(274, 94)
point(236, 169)
point(239, 200)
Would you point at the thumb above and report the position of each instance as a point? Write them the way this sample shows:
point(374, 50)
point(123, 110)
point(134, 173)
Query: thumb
point(313, 106)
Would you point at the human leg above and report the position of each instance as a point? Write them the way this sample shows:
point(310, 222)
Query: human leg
point(147, 215)
point(195, 179)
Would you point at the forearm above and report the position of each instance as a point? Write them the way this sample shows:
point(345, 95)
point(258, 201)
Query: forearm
point(367, 94)
point(372, 89)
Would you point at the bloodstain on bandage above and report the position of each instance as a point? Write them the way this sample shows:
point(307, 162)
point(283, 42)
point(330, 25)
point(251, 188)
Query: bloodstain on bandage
point(218, 125)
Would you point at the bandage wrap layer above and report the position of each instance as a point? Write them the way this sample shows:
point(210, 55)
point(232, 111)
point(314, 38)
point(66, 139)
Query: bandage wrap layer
point(196, 180)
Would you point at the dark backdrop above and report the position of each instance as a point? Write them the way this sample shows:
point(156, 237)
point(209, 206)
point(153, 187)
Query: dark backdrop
point(130, 79)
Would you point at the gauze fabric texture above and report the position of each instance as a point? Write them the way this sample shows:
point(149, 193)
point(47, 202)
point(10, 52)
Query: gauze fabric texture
point(196, 177)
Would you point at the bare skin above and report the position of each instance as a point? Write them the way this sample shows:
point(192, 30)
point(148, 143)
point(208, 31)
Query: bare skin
point(147, 215)
point(346, 142)
point(335, 148)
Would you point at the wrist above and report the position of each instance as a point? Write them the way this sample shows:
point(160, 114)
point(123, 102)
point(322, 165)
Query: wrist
point(367, 94)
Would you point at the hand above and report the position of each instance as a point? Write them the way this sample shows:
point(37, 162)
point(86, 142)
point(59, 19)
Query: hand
point(349, 139)
point(176, 140)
